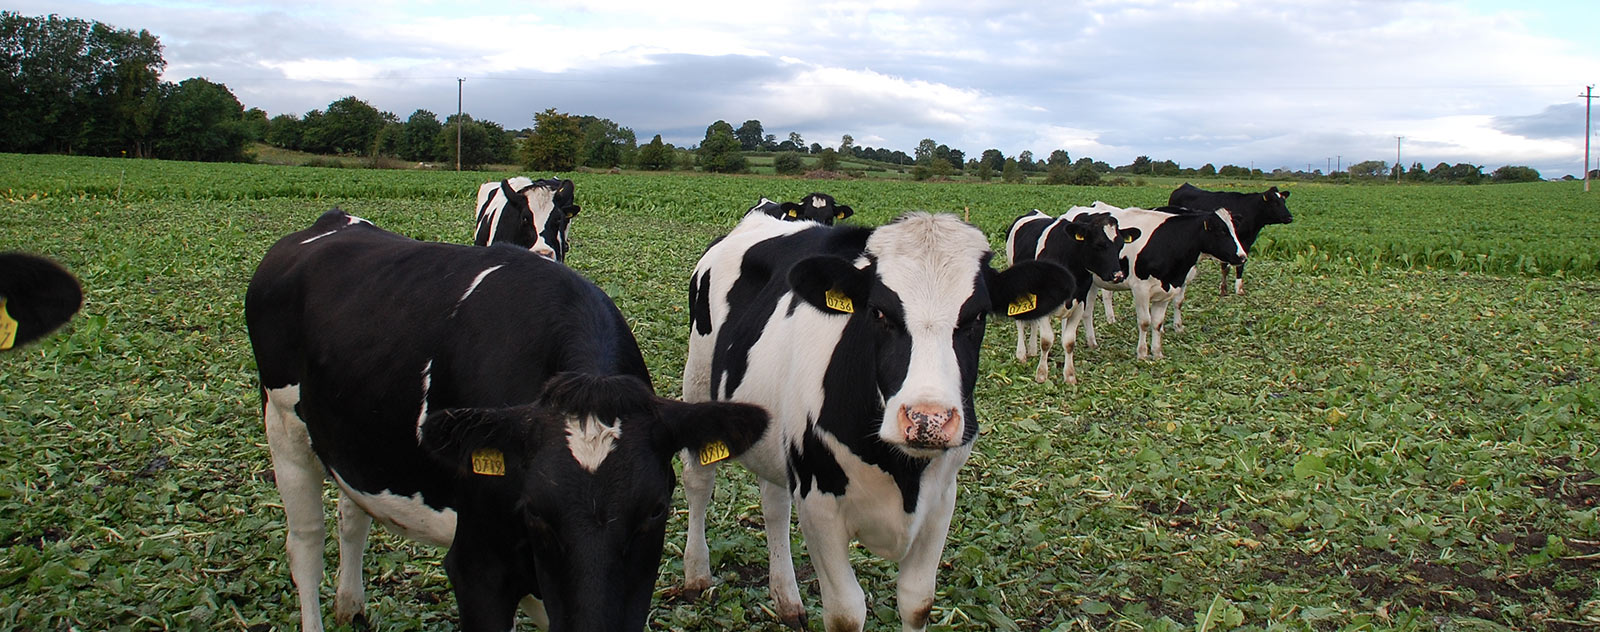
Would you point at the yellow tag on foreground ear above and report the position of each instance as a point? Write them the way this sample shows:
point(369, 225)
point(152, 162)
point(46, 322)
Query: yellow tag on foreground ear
point(837, 300)
point(8, 327)
point(793, 213)
point(488, 462)
point(1127, 239)
point(1077, 237)
point(713, 452)
point(1023, 304)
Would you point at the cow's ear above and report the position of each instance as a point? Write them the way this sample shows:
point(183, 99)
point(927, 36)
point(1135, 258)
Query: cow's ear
point(36, 296)
point(710, 431)
point(789, 210)
point(830, 284)
point(1284, 194)
point(1127, 235)
point(1079, 231)
point(841, 211)
point(1028, 290)
point(506, 190)
point(487, 447)
point(571, 210)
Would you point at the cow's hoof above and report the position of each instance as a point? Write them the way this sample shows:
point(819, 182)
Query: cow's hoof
point(796, 620)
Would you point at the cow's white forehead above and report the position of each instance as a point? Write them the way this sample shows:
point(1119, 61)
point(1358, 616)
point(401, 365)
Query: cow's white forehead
point(542, 201)
point(929, 260)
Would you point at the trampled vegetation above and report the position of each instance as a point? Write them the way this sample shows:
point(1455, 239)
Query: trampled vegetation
point(1394, 429)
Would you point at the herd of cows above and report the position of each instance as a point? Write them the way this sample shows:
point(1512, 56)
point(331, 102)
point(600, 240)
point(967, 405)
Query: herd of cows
point(491, 400)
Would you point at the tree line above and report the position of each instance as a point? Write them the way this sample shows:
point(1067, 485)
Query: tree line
point(81, 87)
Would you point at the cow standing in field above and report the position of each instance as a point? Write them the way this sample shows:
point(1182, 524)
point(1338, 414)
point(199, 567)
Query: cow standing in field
point(531, 214)
point(816, 207)
point(37, 295)
point(1160, 261)
point(1250, 212)
point(1086, 246)
point(484, 399)
point(863, 344)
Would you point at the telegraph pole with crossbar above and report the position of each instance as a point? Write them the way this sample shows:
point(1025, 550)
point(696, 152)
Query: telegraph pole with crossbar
point(1588, 100)
point(459, 81)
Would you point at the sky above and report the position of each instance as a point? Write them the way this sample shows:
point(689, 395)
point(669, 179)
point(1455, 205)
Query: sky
point(1263, 84)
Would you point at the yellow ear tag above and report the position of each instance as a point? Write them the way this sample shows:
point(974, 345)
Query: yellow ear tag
point(8, 327)
point(1127, 239)
point(713, 452)
point(839, 215)
point(794, 213)
point(1023, 304)
point(488, 462)
point(837, 300)
point(1077, 237)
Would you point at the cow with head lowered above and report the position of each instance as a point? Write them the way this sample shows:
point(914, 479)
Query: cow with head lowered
point(816, 207)
point(863, 344)
point(1250, 213)
point(1160, 260)
point(526, 213)
point(484, 399)
point(1086, 246)
point(37, 295)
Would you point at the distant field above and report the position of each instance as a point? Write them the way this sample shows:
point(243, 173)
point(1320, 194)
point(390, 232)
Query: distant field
point(1395, 429)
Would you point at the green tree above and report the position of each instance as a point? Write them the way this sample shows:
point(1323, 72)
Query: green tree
point(1511, 173)
point(749, 135)
point(604, 143)
point(418, 137)
point(482, 142)
point(201, 120)
point(982, 171)
point(655, 156)
point(255, 124)
point(1059, 157)
point(847, 144)
point(1368, 169)
point(554, 143)
point(348, 126)
point(719, 152)
point(924, 152)
point(828, 160)
point(993, 159)
point(1208, 170)
point(788, 163)
point(1011, 171)
point(794, 139)
point(284, 131)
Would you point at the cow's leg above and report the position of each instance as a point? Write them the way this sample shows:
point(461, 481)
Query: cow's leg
point(844, 605)
point(485, 593)
point(776, 502)
point(698, 482)
point(349, 597)
point(1022, 340)
point(1224, 286)
point(1158, 313)
point(1088, 323)
point(919, 570)
point(299, 475)
point(1141, 309)
point(1069, 338)
point(531, 606)
point(1105, 298)
point(1177, 309)
point(1238, 282)
point(1047, 336)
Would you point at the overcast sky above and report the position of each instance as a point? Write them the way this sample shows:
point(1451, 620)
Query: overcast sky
point(1273, 83)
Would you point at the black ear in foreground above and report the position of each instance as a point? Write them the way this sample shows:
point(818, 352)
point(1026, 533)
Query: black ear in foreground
point(37, 295)
point(712, 431)
point(564, 199)
point(789, 210)
point(840, 212)
point(487, 446)
point(830, 284)
point(1028, 290)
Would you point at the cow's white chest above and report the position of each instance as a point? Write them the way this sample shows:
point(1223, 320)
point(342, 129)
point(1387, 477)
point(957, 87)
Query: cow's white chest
point(872, 508)
point(404, 515)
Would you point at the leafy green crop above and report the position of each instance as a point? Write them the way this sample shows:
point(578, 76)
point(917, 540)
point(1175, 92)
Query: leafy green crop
point(1361, 442)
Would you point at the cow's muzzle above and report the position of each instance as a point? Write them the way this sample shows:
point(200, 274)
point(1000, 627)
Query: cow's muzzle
point(930, 427)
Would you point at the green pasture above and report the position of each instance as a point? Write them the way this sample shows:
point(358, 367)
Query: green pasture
point(1395, 429)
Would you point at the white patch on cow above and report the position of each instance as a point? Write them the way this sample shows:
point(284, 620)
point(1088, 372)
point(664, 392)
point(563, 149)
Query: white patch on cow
point(930, 262)
point(355, 220)
point(427, 383)
point(1227, 222)
point(473, 287)
point(591, 441)
point(542, 200)
point(408, 516)
point(1111, 231)
point(311, 239)
point(817, 202)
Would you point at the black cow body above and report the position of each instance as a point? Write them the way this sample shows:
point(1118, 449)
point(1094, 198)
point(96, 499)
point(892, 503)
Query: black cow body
point(863, 343)
point(526, 213)
point(422, 378)
point(1086, 246)
point(1250, 211)
point(816, 207)
point(37, 295)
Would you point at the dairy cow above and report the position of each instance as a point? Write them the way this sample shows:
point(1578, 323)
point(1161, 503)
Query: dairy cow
point(817, 207)
point(1086, 246)
point(484, 399)
point(531, 214)
point(1250, 213)
point(37, 295)
point(863, 344)
point(1161, 260)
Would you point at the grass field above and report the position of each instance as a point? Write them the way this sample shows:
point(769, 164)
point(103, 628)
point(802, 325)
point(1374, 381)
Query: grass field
point(1395, 428)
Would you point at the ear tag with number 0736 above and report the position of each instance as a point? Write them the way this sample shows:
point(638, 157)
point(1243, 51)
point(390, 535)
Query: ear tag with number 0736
point(8, 327)
point(488, 462)
point(713, 452)
point(1023, 304)
point(837, 300)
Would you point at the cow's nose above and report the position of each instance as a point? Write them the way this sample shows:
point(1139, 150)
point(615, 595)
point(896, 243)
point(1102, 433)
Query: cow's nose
point(1119, 276)
point(545, 251)
point(926, 426)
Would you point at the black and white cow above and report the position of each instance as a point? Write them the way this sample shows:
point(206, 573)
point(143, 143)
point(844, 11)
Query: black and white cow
point(863, 344)
point(1086, 246)
point(483, 399)
point(37, 295)
point(1161, 259)
point(817, 207)
point(1250, 211)
point(531, 214)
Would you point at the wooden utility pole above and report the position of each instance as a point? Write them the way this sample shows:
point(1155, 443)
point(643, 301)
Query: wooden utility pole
point(1397, 166)
point(459, 81)
point(1588, 99)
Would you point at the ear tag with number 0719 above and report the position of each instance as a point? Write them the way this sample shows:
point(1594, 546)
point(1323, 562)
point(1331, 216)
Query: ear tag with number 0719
point(837, 300)
point(713, 452)
point(8, 327)
point(1023, 304)
point(488, 462)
